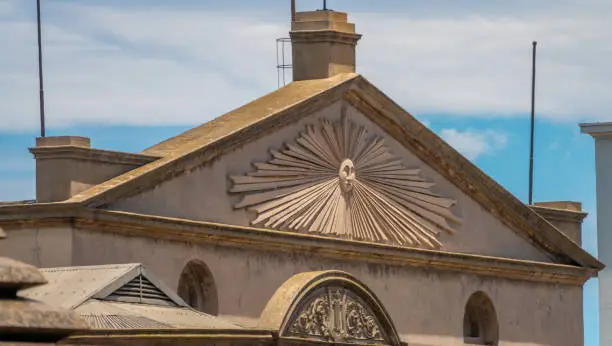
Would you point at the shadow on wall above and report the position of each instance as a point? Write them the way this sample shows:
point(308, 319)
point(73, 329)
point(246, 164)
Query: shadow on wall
point(198, 289)
point(480, 326)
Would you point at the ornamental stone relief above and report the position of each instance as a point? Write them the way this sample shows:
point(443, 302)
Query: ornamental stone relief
point(337, 180)
point(334, 314)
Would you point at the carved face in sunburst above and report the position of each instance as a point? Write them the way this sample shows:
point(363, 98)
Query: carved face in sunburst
point(306, 186)
point(347, 175)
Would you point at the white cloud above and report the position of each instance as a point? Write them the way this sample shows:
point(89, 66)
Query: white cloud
point(127, 65)
point(133, 67)
point(474, 143)
point(7, 7)
point(481, 66)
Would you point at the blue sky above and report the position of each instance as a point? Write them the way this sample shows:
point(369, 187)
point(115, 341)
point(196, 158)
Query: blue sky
point(130, 73)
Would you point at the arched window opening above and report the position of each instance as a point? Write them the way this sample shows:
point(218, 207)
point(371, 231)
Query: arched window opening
point(197, 288)
point(480, 326)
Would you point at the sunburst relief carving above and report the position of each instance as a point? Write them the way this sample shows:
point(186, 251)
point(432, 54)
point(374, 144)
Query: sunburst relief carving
point(336, 180)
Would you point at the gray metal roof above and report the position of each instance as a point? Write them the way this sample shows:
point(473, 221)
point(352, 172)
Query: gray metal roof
point(27, 319)
point(110, 315)
point(120, 296)
point(69, 287)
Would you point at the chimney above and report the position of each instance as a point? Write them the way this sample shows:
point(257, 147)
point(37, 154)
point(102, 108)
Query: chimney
point(566, 216)
point(323, 44)
point(68, 165)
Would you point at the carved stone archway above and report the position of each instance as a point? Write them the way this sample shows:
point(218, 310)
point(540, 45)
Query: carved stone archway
point(329, 307)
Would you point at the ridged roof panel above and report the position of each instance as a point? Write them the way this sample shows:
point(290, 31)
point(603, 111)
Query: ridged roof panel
point(115, 315)
point(68, 287)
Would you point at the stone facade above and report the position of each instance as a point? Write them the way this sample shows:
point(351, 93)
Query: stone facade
point(26, 321)
point(319, 213)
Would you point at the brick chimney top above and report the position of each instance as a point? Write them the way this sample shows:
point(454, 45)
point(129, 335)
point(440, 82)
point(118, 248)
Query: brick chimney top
point(323, 44)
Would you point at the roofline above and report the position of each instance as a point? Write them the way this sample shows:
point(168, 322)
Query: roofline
point(464, 174)
point(398, 123)
point(596, 129)
point(125, 269)
point(101, 267)
point(267, 116)
point(174, 229)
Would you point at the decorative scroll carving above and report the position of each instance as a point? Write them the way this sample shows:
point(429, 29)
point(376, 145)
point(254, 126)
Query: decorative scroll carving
point(334, 314)
point(335, 180)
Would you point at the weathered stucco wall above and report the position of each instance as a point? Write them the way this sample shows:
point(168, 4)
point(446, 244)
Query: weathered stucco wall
point(202, 193)
point(426, 306)
point(48, 247)
point(59, 179)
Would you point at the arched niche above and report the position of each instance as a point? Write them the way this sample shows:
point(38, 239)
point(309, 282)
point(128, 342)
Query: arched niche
point(480, 326)
point(328, 307)
point(197, 287)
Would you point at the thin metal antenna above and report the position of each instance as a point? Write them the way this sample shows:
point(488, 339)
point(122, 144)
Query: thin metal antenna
point(533, 76)
point(40, 73)
point(281, 64)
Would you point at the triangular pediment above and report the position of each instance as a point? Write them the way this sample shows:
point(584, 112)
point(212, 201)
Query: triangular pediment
point(128, 283)
point(140, 290)
point(417, 191)
point(140, 287)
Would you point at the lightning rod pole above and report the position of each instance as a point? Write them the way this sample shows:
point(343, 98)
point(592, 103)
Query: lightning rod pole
point(40, 73)
point(533, 74)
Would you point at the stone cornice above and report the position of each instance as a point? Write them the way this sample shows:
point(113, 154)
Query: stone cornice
point(89, 154)
point(20, 213)
point(560, 214)
point(315, 36)
point(172, 229)
point(597, 130)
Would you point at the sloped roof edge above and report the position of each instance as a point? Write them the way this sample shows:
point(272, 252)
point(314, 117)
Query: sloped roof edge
point(287, 104)
point(117, 275)
point(443, 158)
point(220, 134)
point(52, 293)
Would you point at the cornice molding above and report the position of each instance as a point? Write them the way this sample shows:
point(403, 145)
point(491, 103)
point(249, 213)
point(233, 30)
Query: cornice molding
point(258, 239)
point(560, 214)
point(330, 36)
point(89, 154)
point(602, 130)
